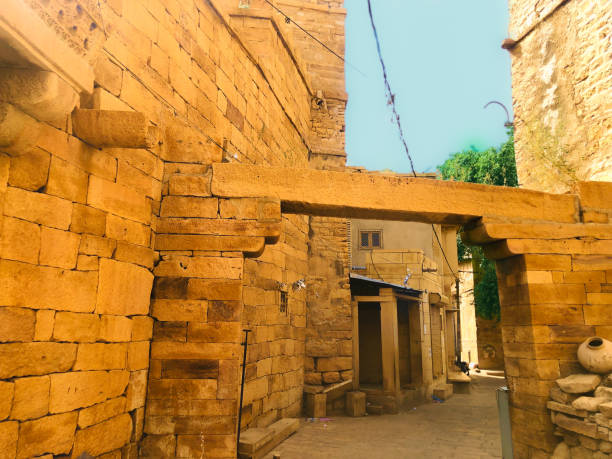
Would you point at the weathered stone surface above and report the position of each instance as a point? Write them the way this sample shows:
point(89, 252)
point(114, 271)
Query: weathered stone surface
point(86, 219)
point(118, 199)
point(46, 288)
point(29, 170)
point(74, 390)
point(113, 128)
point(606, 409)
point(154, 446)
point(31, 398)
point(20, 240)
point(101, 356)
point(7, 390)
point(76, 327)
point(588, 403)
point(202, 267)
point(124, 289)
point(8, 439)
point(137, 390)
point(562, 451)
point(58, 248)
point(25, 359)
point(357, 195)
point(38, 208)
point(103, 437)
point(16, 324)
point(605, 392)
point(579, 384)
point(51, 434)
point(115, 328)
point(101, 412)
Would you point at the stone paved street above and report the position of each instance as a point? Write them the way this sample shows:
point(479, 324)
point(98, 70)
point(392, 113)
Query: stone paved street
point(465, 426)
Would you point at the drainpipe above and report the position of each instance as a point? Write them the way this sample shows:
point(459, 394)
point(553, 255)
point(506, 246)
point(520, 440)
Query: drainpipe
point(458, 300)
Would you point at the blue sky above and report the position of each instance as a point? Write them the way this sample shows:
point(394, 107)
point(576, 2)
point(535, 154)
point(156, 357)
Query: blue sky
point(444, 62)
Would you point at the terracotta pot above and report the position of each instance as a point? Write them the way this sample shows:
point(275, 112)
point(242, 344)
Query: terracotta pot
point(595, 354)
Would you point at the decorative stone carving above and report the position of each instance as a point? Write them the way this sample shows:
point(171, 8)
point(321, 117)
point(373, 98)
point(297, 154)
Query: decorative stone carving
point(595, 354)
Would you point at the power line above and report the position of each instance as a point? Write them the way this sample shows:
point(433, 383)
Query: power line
point(391, 102)
point(288, 20)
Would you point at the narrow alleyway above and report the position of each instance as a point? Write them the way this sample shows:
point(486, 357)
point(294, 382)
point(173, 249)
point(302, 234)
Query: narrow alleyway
point(465, 426)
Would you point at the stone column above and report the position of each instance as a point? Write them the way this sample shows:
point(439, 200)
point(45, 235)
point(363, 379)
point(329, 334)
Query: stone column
point(390, 350)
point(554, 285)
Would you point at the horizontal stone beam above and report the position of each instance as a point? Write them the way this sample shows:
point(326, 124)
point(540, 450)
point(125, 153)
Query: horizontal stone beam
point(510, 247)
point(388, 197)
point(113, 128)
point(490, 232)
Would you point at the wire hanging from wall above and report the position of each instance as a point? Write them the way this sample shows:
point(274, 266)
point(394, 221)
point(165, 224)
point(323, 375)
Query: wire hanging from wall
point(398, 122)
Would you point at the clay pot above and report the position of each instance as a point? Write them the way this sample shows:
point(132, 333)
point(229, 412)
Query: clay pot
point(595, 354)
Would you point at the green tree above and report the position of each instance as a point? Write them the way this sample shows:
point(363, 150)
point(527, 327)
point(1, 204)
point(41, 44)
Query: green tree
point(494, 166)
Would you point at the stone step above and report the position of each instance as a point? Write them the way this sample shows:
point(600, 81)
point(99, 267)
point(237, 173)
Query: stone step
point(255, 443)
point(444, 391)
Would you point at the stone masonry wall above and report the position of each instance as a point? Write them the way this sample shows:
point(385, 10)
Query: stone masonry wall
point(561, 70)
point(84, 227)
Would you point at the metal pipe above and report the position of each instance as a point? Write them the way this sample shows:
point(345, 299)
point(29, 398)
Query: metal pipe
point(245, 344)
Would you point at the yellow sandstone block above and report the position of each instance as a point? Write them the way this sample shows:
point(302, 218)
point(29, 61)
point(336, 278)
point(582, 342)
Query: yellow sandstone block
point(123, 289)
point(127, 230)
point(31, 398)
point(25, 359)
point(190, 185)
point(181, 389)
point(87, 220)
point(29, 170)
point(115, 328)
point(45, 320)
point(8, 439)
point(118, 199)
point(189, 206)
point(179, 310)
point(106, 436)
point(142, 328)
point(16, 324)
point(7, 391)
point(67, 181)
point(135, 254)
point(138, 355)
point(137, 390)
point(38, 208)
point(202, 267)
point(58, 248)
point(96, 245)
point(87, 263)
point(75, 327)
point(73, 390)
point(101, 356)
point(51, 434)
point(101, 412)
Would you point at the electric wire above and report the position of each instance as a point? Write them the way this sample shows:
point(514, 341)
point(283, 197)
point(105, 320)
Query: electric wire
point(288, 20)
point(398, 122)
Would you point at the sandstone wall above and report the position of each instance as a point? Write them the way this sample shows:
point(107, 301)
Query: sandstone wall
point(561, 71)
point(84, 227)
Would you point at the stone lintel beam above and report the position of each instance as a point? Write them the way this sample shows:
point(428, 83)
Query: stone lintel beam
point(39, 93)
point(387, 197)
point(18, 131)
point(113, 128)
point(252, 246)
point(486, 233)
point(219, 227)
point(511, 247)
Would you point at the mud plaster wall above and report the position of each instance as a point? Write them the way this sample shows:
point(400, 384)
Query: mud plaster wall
point(562, 92)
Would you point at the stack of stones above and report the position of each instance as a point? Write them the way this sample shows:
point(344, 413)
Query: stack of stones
point(581, 409)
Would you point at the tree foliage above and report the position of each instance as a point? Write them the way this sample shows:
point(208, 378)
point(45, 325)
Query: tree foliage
point(494, 166)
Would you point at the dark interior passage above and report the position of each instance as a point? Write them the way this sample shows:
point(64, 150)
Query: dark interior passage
point(370, 345)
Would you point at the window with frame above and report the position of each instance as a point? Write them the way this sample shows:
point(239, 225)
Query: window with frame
point(370, 239)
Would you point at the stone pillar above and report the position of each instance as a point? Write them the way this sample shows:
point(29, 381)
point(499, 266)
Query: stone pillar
point(554, 285)
point(388, 333)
